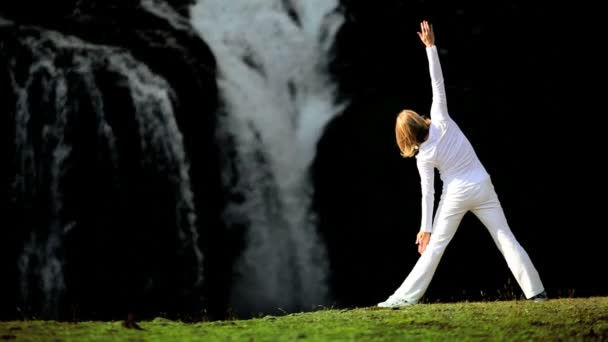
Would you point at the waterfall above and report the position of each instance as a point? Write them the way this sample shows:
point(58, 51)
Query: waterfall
point(55, 78)
point(277, 95)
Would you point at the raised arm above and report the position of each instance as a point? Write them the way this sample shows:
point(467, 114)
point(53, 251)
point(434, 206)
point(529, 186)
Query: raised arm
point(439, 107)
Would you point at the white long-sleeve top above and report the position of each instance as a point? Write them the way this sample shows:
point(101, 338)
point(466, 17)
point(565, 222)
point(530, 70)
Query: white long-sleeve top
point(446, 148)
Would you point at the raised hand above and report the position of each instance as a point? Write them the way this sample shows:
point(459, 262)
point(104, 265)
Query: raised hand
point(426, 34)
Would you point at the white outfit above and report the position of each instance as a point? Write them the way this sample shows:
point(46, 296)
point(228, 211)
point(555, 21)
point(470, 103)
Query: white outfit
point(466, 187)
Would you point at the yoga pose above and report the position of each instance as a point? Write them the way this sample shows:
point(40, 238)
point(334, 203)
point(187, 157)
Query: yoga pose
point(439, 143)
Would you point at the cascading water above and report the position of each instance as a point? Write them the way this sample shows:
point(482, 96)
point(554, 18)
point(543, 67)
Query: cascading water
point(273, 57)
point(55, 81)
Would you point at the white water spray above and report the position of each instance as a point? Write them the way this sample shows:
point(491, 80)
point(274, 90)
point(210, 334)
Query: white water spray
point(273, 58)
point(5, 22)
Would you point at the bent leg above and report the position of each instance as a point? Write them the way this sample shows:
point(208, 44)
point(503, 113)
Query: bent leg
point(491, 214)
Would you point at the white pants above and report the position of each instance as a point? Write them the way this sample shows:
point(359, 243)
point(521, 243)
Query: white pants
point(481, 200)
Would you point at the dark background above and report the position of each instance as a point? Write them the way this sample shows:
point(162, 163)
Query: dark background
point(523, 81)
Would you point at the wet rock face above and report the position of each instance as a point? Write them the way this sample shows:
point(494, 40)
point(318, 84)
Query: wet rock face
point(42, 11)
point(107, 127)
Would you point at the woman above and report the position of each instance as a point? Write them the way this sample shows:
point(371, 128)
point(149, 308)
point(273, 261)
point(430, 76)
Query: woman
point(439, 143)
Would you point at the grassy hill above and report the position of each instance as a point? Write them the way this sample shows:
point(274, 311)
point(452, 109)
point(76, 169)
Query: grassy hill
point(563, 319)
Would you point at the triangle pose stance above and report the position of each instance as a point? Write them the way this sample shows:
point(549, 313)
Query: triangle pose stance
point(439, 143)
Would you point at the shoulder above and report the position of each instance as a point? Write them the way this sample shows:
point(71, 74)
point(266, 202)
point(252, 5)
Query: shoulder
point(425, 156)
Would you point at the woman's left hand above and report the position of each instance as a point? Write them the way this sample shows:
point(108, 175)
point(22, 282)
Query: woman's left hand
point(422, 240)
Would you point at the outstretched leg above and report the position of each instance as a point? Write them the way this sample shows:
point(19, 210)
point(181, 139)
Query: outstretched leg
point(491, 214)
point(450, 211)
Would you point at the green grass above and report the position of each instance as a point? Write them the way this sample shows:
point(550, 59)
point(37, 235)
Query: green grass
point(562, 319)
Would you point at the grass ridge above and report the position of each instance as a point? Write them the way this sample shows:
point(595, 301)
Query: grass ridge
point(562, 319)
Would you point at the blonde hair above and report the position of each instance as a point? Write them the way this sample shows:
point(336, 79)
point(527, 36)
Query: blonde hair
point(411, 130)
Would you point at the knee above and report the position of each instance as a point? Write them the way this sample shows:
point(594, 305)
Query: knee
point(507, 239)
point(437, 247)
